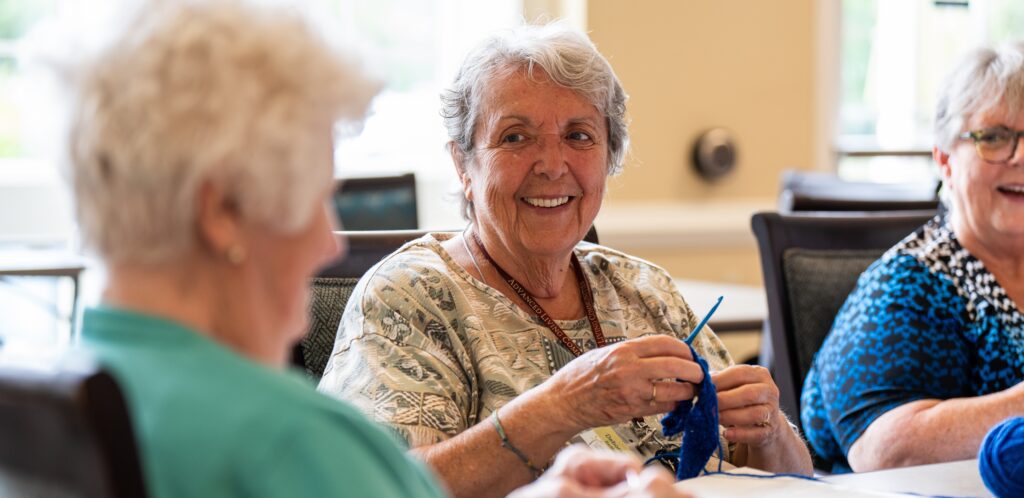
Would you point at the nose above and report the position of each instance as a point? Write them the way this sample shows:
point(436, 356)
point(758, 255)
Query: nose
point(1018, 152)
point(550, 160)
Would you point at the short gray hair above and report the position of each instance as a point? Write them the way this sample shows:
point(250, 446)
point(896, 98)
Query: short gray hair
point(566, 55)
point(984, 78)
point(195, 91)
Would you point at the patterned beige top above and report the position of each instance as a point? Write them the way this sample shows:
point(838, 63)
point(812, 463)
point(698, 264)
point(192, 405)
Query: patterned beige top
point(429, 350)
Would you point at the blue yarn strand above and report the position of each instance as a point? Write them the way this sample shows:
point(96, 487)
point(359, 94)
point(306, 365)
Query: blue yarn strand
point(1001, 458)
point(698, 422)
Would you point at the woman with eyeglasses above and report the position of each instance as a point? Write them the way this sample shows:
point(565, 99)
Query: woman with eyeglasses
point(927, 354)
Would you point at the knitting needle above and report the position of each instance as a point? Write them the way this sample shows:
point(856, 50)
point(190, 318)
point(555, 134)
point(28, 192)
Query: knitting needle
point(693, 335)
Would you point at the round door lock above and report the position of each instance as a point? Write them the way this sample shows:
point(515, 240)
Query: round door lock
point(714, 154)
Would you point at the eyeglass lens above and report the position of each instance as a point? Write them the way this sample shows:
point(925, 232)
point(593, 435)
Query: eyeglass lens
point(997, 144)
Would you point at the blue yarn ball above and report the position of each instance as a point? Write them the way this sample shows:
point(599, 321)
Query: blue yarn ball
point(1001, 458)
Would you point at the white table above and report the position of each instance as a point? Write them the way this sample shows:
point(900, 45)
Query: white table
point(45, 263)
point(945, 479)
point(744, 307)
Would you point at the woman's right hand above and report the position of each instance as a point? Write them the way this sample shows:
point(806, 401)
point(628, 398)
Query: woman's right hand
point(630, 379)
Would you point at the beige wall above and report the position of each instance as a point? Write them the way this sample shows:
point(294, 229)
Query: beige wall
point(688, 65)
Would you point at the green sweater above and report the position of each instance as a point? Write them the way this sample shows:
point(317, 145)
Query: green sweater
point(212, 423)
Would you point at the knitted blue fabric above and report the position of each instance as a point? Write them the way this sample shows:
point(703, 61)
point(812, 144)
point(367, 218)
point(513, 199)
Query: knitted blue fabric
point(1001, 458)
point(698, 423)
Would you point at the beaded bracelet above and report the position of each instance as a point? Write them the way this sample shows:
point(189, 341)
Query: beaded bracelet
point(509, 446)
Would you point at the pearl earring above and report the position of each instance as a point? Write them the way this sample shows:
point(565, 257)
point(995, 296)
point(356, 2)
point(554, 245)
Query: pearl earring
point(236, 254)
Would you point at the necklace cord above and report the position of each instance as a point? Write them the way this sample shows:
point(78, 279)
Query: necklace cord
point(586, 294)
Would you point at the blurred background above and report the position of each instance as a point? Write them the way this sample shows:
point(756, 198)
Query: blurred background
point(844, 88)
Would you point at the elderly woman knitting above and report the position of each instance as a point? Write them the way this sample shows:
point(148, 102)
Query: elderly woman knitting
point(927, 354)
point(491, 349)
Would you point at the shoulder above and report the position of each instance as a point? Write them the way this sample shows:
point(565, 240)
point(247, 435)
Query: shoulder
point(607, 259)
point(416, 257)
point(922, 258)
point(623, 268)
point(418, 266)
point(932, 248)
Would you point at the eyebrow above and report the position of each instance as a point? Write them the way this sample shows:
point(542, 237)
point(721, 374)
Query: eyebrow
point(526, 120)
point(515, 117)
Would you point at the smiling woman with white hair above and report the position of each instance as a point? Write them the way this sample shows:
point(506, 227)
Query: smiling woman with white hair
point(491, 349)
point(201, 159)
point(927, 354)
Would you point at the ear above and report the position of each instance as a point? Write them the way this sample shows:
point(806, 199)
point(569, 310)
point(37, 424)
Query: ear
point(459, 159)
point(941, 159)
point(218, 221)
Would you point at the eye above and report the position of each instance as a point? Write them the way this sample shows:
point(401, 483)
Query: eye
point(513, 138)
point(579, 136)
point(994, 136)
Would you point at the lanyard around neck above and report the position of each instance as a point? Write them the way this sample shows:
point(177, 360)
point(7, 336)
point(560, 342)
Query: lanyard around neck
point(585, 293)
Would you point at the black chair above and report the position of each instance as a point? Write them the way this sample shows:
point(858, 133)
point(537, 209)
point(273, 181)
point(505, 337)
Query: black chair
point(334, 284)
point(65, 431)
point(811, 263)
point(819, 191)
point(377, 203)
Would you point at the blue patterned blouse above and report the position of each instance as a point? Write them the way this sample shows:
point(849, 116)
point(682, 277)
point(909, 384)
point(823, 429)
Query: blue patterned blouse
point(926, 321)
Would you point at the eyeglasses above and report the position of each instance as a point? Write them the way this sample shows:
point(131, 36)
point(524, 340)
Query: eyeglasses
point(994, 145)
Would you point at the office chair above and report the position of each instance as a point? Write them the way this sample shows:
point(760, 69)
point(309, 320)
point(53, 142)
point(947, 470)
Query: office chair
point(334, 284)
point(377, 203)
point(65, 431)
point(818, 191)
point(811, 262)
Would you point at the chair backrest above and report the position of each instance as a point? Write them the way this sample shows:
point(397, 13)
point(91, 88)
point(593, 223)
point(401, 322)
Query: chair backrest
point(377, 203)
point(65, 431)
point(334, 284)
point(332, 287)
point(819, 191)
point(811, 262)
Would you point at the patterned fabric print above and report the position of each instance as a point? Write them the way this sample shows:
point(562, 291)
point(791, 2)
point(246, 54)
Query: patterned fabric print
point(430, 351)
point(926, 321)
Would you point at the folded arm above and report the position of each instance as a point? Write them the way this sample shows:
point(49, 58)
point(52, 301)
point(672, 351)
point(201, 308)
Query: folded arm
point(932, 431)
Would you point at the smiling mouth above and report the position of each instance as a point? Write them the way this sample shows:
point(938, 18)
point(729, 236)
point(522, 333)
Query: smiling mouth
point(1016, 190)
point(547, 203)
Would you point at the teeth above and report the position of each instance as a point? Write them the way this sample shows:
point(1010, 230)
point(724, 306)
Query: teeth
point(1017, 189)
point(546, 203)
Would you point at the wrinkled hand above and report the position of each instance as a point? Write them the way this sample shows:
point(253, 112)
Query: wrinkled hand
point(616, 383)
point(580, 472)
point(748, 405)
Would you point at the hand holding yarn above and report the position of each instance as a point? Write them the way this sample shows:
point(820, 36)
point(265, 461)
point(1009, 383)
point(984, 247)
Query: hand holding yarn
point(625, 380)
point(748, 405)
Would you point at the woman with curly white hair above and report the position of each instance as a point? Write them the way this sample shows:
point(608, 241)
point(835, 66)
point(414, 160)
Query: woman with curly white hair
point(491, 349)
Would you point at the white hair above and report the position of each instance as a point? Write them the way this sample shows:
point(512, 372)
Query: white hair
point(204, 91)
point(566, 55)
point(983, 79)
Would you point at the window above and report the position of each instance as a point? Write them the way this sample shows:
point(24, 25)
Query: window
point(894, 58)
point(417, 46)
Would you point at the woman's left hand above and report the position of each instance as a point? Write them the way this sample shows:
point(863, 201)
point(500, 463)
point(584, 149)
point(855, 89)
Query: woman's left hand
point(748, 405)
